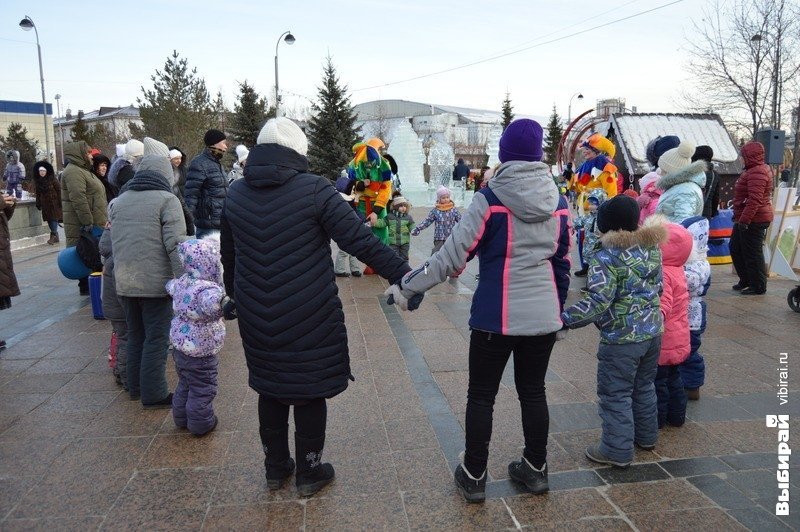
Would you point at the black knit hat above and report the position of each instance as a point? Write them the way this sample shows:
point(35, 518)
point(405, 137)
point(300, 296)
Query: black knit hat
point(213, 136)
point(703, 152)
point(619, 213)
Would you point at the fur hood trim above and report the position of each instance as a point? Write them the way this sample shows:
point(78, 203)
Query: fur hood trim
point(686, 174)
point(652, 233)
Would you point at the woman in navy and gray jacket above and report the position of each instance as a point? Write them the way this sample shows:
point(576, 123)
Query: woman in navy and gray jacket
point(515, 228)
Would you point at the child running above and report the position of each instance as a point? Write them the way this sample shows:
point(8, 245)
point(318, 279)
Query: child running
point(622, 300)
point(197, 334)
point(444, 214)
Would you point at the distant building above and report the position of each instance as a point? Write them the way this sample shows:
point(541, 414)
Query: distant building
point(115, 119)
point(29, 114)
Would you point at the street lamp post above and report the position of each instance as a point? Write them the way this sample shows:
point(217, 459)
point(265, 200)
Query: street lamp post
point(288, 39)
point(569, 108)
point(26, 24)
point(60, 129)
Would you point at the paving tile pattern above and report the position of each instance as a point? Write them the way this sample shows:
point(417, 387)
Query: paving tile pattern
point(77, 454)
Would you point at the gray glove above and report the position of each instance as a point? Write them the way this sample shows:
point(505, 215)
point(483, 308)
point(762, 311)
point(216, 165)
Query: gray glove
point(395, 296)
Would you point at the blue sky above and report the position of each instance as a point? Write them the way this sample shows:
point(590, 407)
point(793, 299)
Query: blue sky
point(102, 52)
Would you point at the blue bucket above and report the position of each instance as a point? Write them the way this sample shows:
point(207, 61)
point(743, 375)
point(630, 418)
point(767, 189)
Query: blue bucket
point(71, 265)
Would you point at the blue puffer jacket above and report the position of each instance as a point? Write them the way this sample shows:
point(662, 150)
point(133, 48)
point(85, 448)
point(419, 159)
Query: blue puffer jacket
point(683, 192)
point(206, 188)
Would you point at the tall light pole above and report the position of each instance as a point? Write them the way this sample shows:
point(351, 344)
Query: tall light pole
point(26, 24)
point(60, 129)
point(569, 108)
point(288, 39)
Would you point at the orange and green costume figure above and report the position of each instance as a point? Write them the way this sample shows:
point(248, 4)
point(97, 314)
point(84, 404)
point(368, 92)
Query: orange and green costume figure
point(598, 171)
point(373, 182)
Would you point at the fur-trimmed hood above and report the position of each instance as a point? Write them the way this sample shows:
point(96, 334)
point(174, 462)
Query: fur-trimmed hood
point(651, 234)
point(695, 172)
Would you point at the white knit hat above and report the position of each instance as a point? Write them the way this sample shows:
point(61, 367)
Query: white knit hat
point(133, 148)
point(175, 153)
point(120, 150)
point(676, 158)
point(284, 132)
point(241, 153)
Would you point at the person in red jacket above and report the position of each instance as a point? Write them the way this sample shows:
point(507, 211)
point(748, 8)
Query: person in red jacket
point(752, 214)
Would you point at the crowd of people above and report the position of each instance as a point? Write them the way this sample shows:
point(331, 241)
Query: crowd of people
point(187, 246)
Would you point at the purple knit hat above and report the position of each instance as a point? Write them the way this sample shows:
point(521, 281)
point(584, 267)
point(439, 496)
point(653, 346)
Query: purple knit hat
point(521, 141)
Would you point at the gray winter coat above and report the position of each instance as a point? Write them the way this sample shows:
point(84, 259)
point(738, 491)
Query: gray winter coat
point(511, 226)
point(148, 226)
point(112, 308)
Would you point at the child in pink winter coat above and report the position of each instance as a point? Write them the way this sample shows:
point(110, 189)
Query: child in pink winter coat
point(648, 198)
point(675, 342)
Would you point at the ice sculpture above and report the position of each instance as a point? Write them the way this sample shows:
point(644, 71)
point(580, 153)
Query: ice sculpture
point(406, 148)
point(493, 145)
point(441, 160)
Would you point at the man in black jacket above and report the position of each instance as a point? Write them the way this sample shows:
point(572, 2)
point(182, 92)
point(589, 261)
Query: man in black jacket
point(206, 184)
point(277, 225)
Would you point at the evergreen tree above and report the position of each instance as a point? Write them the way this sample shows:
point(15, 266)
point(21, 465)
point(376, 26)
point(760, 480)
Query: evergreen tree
point(331, 129)
point(508, 112)
point(17, 139)
point(249, 115)
point(177, 110)
point(81, 131)
point(554, 132)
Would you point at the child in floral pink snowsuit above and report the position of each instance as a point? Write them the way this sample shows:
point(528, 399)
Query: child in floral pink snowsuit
point(197, 334)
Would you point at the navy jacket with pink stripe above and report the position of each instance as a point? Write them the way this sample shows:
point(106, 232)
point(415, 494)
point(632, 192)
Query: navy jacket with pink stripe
point(513, 227)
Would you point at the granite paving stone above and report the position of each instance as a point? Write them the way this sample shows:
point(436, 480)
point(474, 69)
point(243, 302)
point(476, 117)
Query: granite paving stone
point(77, 454)
point(558, 506)
point(759, 519)
point(62, 524)
point(274, 516)
point(711, 519)
point(431, 510)
point(357, 512)
point(658, 496)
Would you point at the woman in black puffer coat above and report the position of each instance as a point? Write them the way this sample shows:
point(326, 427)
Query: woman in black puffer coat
point(276, 226)
point(48, 197)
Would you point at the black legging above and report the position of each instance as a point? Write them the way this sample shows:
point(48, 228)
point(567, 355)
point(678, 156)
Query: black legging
point(488, 355)
point(310, 418)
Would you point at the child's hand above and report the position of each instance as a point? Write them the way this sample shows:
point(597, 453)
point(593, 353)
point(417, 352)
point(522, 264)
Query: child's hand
point(228, 308)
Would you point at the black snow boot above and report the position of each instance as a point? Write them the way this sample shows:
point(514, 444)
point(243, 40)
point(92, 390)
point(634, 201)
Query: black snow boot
point(277, 462)
point(524, 473)
point(312, 474)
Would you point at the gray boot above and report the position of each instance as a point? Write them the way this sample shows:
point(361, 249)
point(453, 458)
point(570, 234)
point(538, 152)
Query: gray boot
point(340, 266)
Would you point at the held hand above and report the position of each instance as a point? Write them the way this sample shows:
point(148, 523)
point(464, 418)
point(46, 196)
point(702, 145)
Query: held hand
point(86, 228)
point(229, 308)
point(372, 218)
point(395, 296)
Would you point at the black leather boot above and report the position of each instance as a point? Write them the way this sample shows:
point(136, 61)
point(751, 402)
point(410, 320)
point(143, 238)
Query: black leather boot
point(312, 474)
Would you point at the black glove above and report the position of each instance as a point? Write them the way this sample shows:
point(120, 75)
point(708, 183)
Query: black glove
point(229, 308)
point(743, 227)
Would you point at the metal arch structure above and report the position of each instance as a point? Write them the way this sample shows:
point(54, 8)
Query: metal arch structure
point(560, 159)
